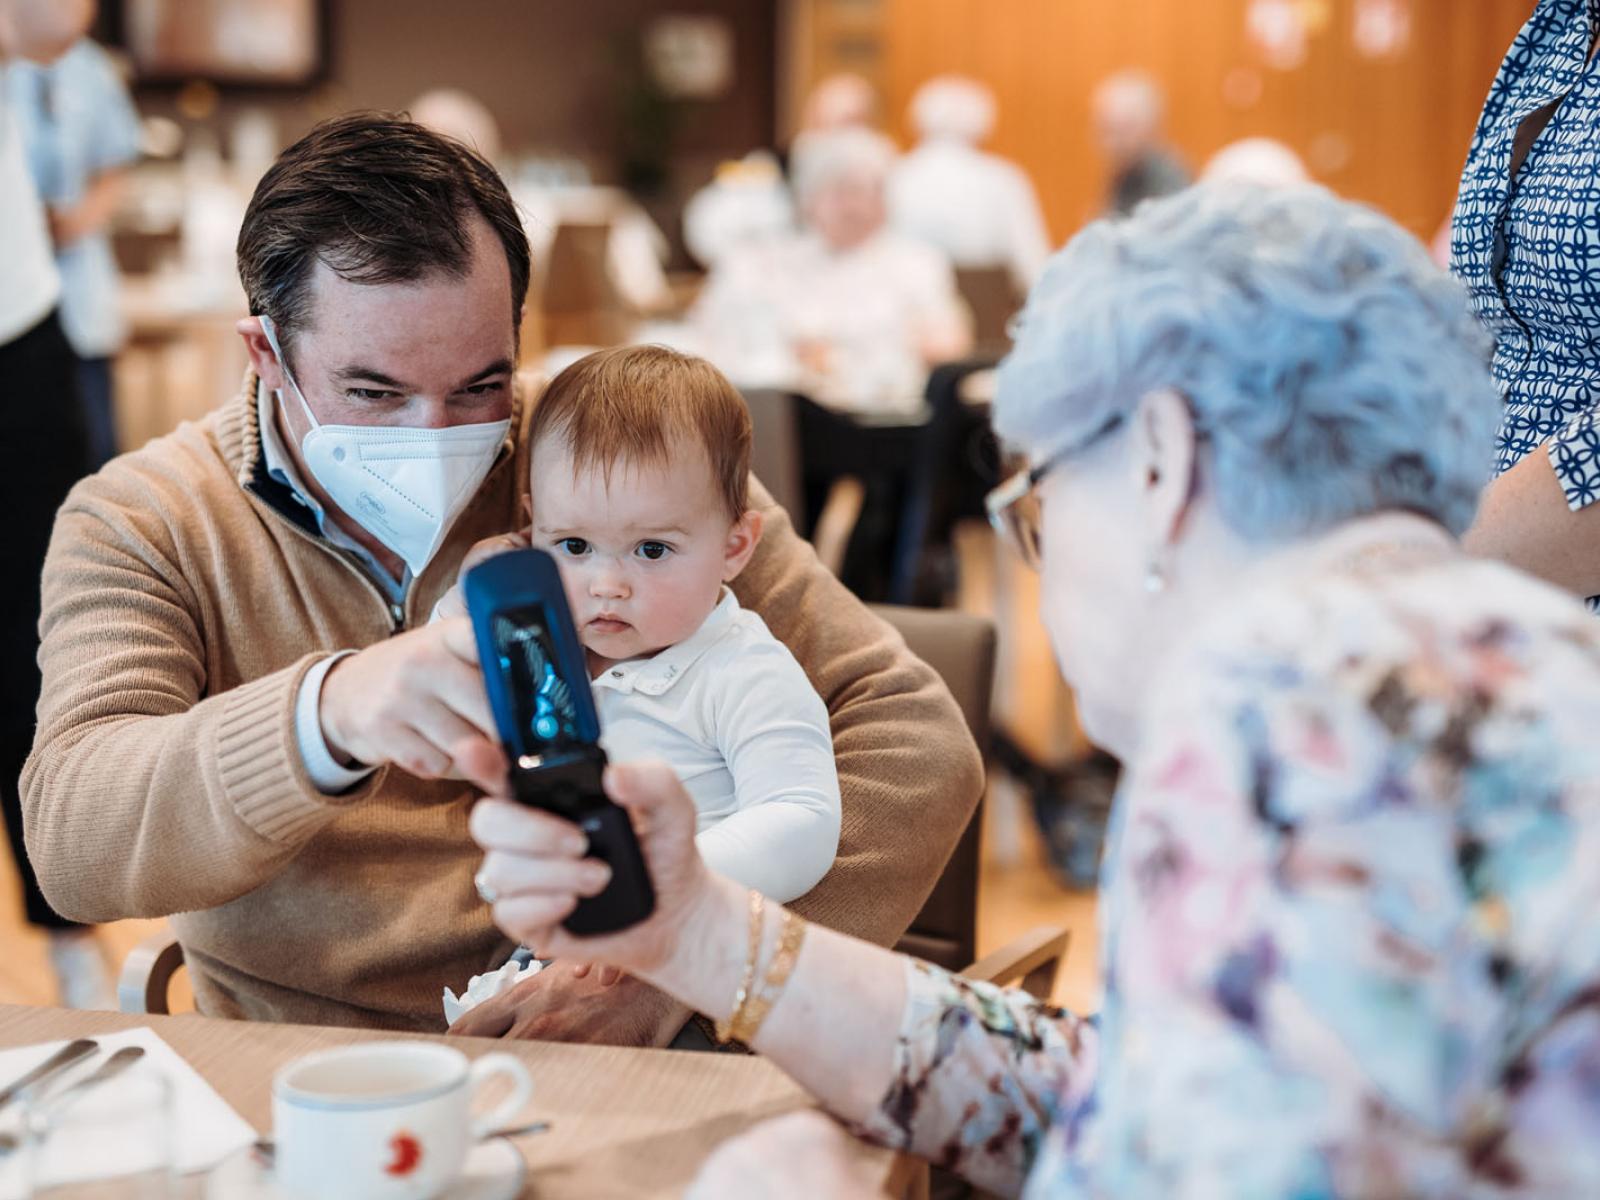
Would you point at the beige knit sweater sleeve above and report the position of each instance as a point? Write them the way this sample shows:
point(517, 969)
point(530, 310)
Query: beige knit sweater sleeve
point(132, 771)
point(909, 772)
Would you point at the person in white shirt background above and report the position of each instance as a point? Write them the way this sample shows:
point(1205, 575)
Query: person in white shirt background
point(82, 134)
point(43, 452)
point(977, 207)
point(640, 463)
point(846, 311)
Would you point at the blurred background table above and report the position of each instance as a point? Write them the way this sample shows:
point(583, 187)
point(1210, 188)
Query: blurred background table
point(625, 1123)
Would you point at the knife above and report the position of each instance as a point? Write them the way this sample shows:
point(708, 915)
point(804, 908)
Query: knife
point(57, 1062)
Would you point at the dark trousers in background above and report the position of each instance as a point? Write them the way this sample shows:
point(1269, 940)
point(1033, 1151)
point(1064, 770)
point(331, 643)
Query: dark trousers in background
point(99, 412)
point(43, 452)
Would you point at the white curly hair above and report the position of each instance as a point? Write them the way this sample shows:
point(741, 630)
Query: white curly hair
point(1334, 369)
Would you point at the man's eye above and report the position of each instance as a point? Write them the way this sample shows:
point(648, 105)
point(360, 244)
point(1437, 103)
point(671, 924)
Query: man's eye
point(576, 547)
point(357, 393)
point(486, 389)
point(654, 551)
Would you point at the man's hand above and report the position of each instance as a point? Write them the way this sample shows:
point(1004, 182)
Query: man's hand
point(798, 1156)
point(558, 1006)
point(418, 701)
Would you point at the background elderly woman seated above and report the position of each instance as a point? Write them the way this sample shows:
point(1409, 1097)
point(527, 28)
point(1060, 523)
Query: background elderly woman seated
point(1349, 899)
point(845, 311)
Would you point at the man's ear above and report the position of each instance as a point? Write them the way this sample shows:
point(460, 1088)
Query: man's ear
point(744, 535)
point(262, 360)
point(1166, 459)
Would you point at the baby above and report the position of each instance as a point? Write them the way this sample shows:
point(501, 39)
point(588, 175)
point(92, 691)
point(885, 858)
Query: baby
point(640, 463)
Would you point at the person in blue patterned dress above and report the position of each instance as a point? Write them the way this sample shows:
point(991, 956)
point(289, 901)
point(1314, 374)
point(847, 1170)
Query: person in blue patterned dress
point(1349, 902)
point(1526, 242)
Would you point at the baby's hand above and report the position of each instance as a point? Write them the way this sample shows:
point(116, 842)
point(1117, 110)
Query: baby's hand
point(605, 977)
point(454, 602)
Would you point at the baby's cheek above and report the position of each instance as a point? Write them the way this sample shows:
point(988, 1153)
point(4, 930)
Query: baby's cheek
point(677, 610)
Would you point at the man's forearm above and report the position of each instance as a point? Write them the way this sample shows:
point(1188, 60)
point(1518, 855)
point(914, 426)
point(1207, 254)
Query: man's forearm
point(151, 815)
point(1524, 520)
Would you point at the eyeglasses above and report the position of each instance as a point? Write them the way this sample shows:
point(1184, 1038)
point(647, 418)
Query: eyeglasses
point(1014, 508)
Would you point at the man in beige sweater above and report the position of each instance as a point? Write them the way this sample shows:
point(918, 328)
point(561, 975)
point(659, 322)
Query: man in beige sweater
point(246, 722)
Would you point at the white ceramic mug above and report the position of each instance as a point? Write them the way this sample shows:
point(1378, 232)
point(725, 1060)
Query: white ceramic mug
point(384, 1120)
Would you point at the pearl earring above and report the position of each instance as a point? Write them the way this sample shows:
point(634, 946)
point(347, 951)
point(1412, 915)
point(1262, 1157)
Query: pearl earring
point(1155, 578)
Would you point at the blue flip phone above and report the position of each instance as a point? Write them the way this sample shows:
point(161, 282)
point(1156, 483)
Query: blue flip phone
point(538, 682)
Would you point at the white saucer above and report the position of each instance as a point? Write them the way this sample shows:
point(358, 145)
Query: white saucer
point(494, 1171)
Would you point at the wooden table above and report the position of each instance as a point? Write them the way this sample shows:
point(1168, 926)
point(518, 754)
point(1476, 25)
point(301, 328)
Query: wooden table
point(625, 1123)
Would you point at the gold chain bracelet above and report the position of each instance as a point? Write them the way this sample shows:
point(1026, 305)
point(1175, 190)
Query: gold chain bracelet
point(748, 1017)
point(725, 1028)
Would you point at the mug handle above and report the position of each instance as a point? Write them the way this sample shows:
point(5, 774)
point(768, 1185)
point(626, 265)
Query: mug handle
point(487, 1067)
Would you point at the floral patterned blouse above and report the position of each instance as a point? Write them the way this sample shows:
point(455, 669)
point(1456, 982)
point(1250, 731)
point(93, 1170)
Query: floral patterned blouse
point(1351, 919)
point(1528, 248)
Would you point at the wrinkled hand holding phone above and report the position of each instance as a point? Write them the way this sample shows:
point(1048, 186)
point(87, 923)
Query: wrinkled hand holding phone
point(534, 670)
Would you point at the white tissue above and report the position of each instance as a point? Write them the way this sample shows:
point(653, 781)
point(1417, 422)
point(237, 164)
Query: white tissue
point(485, 987)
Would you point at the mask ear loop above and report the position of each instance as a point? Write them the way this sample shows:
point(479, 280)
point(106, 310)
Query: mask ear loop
point(271, 331)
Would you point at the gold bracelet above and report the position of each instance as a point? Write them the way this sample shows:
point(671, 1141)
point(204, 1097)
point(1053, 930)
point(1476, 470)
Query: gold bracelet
point(724, 1028)
point(747, 1020)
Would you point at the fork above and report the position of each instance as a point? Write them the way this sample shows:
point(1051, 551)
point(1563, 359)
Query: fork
point(73, 1092)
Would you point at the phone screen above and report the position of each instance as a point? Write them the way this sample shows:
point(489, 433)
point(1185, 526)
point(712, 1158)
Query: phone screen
point(546, 715)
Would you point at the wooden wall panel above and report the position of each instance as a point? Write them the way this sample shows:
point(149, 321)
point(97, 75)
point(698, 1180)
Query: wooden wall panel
point(1392, 132)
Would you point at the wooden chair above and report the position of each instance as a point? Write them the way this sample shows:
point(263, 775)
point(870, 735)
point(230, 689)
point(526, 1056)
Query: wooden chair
point(578, 303)
point(993, 298)
point(961, 648)
point(775, 450)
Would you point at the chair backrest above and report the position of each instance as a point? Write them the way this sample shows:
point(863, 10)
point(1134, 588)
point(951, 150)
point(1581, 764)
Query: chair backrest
point(993, 299)
point(775, 450)
point(578, 303)
point(961, 648)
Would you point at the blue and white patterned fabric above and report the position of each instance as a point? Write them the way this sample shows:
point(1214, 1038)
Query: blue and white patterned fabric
point(1529, 248)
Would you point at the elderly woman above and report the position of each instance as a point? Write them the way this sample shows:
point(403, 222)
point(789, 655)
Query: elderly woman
point(1349, 901)
point(846, 311)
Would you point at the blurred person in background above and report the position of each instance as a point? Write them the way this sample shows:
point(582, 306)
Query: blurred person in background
point(979, 208)
point(746, 202)
point(846, 311)
point(1526, 233)
point(1262, 161)
point(43, 452)
point(81, 134)
point(460, 115)
point(1129, 120)
point(842, 101)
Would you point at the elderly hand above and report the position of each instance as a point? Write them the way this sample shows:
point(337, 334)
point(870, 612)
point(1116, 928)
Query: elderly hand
point(535, 867)
point(557, 1005)
point(798, 1156)
point(454, 602)
point(416, 700)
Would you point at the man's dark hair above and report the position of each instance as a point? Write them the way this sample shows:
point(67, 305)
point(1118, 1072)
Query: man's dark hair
point(378, 198)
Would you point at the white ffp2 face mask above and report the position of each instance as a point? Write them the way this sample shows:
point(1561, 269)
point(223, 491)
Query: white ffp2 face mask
point(405, 485)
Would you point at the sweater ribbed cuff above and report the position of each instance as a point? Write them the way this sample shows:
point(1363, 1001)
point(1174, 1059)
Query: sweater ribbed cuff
point(261, 771)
